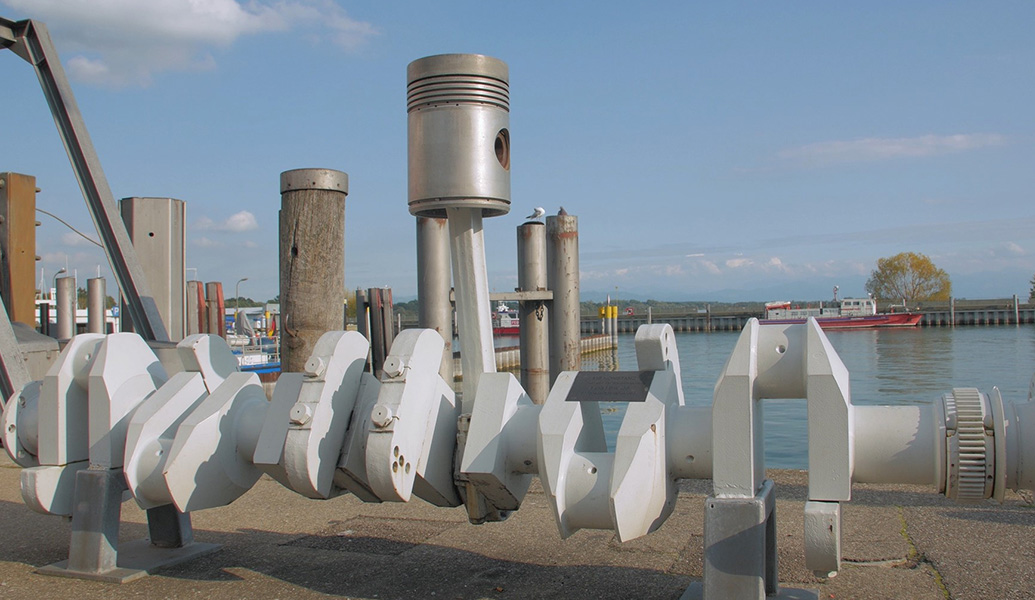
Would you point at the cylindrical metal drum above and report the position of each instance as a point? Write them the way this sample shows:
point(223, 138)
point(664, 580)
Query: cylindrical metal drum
point(459, 134)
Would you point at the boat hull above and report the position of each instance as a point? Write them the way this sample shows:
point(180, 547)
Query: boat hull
point(506, 330)
point(866, 322)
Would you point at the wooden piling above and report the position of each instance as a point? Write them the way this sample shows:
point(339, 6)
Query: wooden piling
point(312, 260)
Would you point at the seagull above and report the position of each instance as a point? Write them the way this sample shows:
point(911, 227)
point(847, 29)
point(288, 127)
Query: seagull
point(562, 212)
point(537, 213)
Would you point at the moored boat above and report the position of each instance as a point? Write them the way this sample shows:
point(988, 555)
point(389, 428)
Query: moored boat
point(505, 320)
point(849, 313)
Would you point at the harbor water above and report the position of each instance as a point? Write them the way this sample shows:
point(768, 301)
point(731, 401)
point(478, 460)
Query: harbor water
point(886, 366)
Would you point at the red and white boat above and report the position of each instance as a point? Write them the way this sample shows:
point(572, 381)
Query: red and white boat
point(505, 321)
point(849, 313)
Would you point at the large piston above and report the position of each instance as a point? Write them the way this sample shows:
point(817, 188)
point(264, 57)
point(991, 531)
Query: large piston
point(459, 137)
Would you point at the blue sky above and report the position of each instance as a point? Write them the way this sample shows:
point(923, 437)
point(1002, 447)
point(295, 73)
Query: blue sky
point(734, 150)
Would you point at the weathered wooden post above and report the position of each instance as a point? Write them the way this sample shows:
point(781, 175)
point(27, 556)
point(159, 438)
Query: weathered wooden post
point(562, 275)
point(312, 260)
point(533, 314)
point(214, 309)
point(18, 246)
point(195, 308)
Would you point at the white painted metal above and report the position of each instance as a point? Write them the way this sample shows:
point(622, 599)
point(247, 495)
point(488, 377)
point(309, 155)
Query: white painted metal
point(473, 316)
point(321, 413)
point(210, 460)
point(150, 434)
point(64, 405)
point(823, 537)
point(899, 444)
point(351, 474)
point(500, 454)
point(405, 419)
point(124, 372)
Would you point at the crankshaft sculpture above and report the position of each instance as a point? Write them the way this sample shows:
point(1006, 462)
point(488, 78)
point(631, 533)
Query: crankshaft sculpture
point(111, 419)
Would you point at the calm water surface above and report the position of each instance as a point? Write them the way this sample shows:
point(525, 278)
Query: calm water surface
point(887, 366)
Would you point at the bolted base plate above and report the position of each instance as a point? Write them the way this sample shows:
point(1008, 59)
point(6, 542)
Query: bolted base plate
point(137, 559)
point(696, 592)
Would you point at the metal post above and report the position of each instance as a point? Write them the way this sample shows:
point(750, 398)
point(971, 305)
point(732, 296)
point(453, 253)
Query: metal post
point(562, 275)
point(214, 308)
point(65, 308)
point(312, 260)
point(433, 286)
point(533, 316)
point(237, 305)
point(95, 313)
point(952, 312)
point(1016, 311)
point(18, 246)
point(14, 374)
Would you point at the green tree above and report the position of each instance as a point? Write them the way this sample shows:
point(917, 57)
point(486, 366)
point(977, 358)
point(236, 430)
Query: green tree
point(908, 276)
point(1031, 293)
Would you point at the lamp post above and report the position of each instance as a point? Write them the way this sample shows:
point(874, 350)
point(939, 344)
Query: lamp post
point(54, 287)
point(237, 302)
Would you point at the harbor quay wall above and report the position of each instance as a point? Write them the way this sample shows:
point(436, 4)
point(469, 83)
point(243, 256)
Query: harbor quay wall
point(509, 358)
point(1003, 311)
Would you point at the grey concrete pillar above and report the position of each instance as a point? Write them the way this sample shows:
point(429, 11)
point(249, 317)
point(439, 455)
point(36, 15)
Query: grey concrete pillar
point(534, 316)
point(562, 274)
point(312, 260)
point(157, 228)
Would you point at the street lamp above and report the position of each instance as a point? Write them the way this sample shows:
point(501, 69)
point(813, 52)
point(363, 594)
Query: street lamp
point(59, 271)
point(237, 300)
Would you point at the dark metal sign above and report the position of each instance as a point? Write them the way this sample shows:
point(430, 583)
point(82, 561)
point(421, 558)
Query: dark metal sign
point(617, 386)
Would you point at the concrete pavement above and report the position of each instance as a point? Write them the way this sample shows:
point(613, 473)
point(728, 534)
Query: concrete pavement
point(899, 542)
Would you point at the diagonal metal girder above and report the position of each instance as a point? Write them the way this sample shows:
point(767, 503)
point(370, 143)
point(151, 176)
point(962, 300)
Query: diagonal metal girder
point(31, 41)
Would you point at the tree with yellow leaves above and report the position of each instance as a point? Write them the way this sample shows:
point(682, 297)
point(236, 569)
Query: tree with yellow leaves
point(909, 277)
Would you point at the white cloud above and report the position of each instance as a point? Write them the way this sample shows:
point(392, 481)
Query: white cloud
point(242, 221)
point(125, 42)
point(1015, 249)
point(736, 263)
point(236, 223)
point(711, 267)
point(204, 242)
point(875, 149)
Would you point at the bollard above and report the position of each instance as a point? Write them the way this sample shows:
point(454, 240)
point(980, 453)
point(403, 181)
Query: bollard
point(195, 308)
point(562, 276)
point(66, 302)
point(533, 315)
point(214, 309)
point(433, 285)
point(312, 260)
point(95, 321)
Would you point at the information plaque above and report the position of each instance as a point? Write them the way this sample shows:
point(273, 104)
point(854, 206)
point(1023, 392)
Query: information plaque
point(615, 386)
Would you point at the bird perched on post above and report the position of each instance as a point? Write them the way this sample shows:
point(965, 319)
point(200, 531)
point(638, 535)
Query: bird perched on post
point(537, 214)
point(562, 212)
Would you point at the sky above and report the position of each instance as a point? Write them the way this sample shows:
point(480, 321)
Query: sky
point(711, 150)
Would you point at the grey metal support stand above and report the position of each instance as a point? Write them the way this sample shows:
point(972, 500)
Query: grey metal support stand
point(31, 41)
point(13, 372)
point(94, 551)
